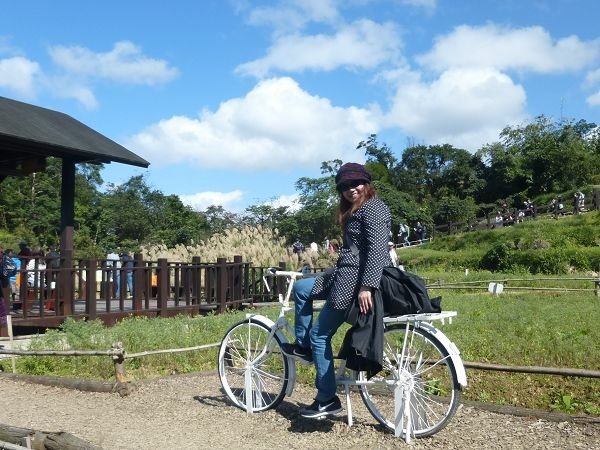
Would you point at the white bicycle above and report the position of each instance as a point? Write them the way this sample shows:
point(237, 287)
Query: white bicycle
point(415, 395)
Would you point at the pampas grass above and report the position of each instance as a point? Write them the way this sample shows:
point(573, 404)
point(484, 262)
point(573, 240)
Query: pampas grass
point(260, 246)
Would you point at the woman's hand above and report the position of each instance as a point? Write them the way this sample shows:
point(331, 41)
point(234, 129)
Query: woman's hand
point(365, 299)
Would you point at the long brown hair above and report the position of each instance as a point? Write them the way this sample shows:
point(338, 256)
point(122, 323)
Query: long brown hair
point(347, 208)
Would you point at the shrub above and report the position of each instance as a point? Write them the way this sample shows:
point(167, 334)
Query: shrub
point(500, 257)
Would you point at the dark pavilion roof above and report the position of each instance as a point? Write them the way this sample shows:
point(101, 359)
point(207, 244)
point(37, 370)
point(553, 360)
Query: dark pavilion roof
point(29, 134)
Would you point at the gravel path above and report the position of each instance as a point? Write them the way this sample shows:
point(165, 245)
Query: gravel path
point(191, 412)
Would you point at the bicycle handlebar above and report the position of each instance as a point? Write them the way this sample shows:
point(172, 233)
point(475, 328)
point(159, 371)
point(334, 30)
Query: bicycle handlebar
point(277, 272)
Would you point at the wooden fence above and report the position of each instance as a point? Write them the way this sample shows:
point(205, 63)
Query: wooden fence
point(86, 289)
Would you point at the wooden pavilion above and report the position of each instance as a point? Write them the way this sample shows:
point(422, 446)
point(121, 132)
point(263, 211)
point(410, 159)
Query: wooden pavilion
point(28, 136)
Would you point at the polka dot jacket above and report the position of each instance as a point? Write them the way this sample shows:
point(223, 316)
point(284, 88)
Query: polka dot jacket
point(369, 229)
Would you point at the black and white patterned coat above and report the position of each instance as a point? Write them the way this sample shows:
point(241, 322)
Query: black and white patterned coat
point(369, 229)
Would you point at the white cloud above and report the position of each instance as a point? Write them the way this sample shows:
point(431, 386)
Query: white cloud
point(363, 44)
point(19, 74)
point(426, 4)
point(64, 87)
point(6, 46)
point(124, 63)
point(463, 107)
point(291, 201)
point(529, 49)
point(593, 77)
point(202, 200)
point(594, 100)
point(276, 125)
point(295, 14)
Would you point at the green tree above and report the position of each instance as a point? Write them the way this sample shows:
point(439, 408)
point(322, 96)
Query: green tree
point(453, 209)
point(175, 223)
point(316, 218)
point(219, 219)
point(429, 173)
point(126, 212)
point(503, 171)
point(553, 156)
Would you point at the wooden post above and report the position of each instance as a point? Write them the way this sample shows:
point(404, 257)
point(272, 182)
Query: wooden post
point(186, 273)
point(29, 438)
point(4, 331)
point(122, 387)
point(67, 222)
point(237, 278)
point(246, 281)
point(139, 280)
point(177, 282)
point(196, 280)
point(22, 280)
point(221, 285)
point(280, 282)
point(163, 286)
point(66, 292)
point(119, 362)
point(90, 288)
point(209, 283)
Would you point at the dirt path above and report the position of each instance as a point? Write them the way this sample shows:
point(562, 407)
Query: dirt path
point(191, 412)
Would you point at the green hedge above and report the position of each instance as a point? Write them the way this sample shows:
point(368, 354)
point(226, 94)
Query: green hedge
point(506, 258)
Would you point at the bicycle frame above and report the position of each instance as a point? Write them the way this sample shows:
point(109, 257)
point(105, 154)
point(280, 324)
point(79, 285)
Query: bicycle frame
point(402, 379)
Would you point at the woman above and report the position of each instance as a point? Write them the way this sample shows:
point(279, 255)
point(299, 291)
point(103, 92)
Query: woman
point(366, 222)
point(36, 269)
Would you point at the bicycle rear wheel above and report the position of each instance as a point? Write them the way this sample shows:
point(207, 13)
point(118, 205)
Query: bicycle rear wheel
point(244, 368)
point(426, 369)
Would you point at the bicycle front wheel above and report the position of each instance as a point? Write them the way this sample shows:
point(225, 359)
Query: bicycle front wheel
point(252, 369)
point(414, 359)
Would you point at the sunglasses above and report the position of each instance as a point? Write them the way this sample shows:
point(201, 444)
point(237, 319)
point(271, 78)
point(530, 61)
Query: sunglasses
point(351, 185)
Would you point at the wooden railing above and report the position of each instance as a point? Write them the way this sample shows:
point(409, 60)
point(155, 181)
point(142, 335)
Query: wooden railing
point(86, 290)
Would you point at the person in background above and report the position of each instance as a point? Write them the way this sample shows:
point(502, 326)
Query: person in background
point(421, 231)
point(3, 285)
point(393, 254)
point(24, 255)
point(36, 269)
point(113, 262)
point(24, 251)
point(53, 263)
point(366, 222)
point(498, 221)
point(14, 289)
point(298, 247)
point(403, 231)
point(127, 264)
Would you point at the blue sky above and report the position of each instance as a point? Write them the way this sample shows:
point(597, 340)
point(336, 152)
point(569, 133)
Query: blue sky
point(233, 100)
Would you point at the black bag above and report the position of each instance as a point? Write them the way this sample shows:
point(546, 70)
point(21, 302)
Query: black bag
point(405, 293)
point(402, 292)
point(9, 268)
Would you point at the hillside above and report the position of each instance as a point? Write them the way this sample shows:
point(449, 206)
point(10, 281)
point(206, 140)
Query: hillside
point(539, 246)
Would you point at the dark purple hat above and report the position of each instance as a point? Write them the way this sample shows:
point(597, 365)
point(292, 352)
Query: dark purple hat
point(351, 172)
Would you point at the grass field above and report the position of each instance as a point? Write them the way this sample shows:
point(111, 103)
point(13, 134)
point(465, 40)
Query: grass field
point(530, 329)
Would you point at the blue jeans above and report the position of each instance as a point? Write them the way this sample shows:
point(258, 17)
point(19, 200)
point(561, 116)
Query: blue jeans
point(116, 277)
point(130, 281)
point(317, 335)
